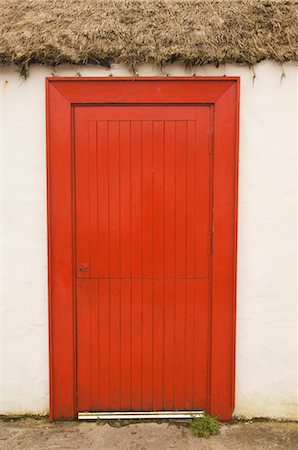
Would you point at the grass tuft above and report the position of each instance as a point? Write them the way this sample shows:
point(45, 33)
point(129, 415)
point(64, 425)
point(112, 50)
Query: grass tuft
point(204, 426)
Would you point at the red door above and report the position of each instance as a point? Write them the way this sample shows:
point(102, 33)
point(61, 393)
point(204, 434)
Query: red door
point(143, 233)
point(142, 296)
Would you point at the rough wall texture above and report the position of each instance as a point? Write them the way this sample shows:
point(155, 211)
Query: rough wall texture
point(266, 307)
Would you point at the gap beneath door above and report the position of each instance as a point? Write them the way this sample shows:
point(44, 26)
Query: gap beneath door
point(139, 415)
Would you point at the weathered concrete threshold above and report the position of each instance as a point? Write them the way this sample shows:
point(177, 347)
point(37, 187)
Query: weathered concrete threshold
point(33, 434)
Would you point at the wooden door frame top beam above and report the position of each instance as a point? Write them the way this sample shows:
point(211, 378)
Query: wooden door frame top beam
point(62, 95)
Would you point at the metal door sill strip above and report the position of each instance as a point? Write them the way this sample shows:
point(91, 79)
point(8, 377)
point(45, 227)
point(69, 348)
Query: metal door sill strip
point(131, 415)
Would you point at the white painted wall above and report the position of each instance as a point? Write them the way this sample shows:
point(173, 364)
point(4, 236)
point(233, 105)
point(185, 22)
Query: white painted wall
point(266, 311)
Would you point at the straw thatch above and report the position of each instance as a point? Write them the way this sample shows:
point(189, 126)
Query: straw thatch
point(134, 31)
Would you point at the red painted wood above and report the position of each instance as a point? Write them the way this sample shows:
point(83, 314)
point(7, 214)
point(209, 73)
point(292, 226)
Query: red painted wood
point(161, 222)
point(169, 294)
point(224, 258)
point(104, 342)
point(125, 260)
point(160, 282)
point(60, 244)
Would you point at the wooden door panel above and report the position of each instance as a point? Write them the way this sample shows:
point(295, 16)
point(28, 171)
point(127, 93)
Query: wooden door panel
point(142, 344)
point(143, 186)
point(143, 203)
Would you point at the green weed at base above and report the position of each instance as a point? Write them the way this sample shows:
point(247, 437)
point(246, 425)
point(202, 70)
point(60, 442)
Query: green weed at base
point(204, 426)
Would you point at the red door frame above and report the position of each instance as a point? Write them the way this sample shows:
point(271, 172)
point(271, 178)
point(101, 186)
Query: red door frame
point(63, 94)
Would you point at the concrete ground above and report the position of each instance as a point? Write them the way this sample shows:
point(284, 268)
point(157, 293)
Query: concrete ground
point(40, 434)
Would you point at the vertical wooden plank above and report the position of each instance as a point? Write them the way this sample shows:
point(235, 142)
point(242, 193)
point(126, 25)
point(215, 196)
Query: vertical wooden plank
point(180, 261)
point(147, 264)
point(115, 352)
point(191, 226)
point(93, 198)
point(125, 198)
point(169, 249)
point(179, 367)
point(201, 343)
point(94, 312)
point(147, 195)
point(158, 262)
point(82, 200)
point(202, 246)
point(190, 330)
point(104, 344)
point(181, 176)
point(114, 216)
point(191, 231)
point(136, 198)
point(136, 344)
point(103, 198)
point(105, 257)
point(114, 263)
point(126, 344)
point(147, 346)
point(125, 264)
point(170, 190)
point(158, 347)
point(158, 196)
point(84, 349)
point(136, 263)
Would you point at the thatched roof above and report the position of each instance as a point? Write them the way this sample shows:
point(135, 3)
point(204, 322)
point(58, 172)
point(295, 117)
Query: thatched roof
point(134, 31)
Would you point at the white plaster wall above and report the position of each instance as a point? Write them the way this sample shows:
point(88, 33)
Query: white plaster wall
point(266, 306)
